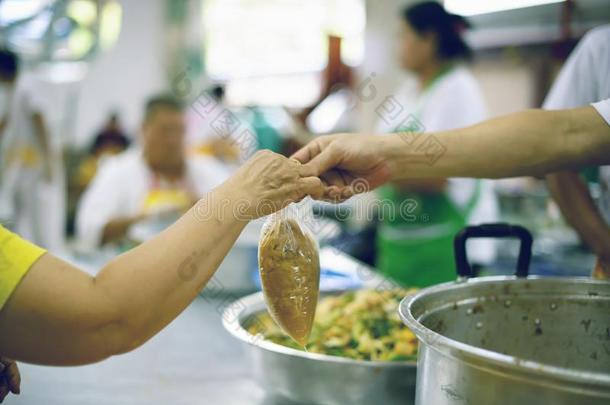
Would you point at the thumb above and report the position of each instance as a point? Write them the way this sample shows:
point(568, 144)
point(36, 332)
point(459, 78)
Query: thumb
point(324, 161)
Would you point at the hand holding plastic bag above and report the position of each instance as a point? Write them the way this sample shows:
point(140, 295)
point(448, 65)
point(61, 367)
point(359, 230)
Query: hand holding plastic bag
point(290, 270)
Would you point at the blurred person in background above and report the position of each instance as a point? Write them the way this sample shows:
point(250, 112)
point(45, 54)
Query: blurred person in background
point(584, 79)
point(203, 132)
point(157, 180)
point(32, 198)
point(109, 141)
point(444, 95)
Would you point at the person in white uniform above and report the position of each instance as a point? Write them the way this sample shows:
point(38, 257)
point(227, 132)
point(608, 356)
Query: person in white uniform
point(140, 183)
point(527, 143)
point(33, 185)
point(443, 95)
point(584, 79)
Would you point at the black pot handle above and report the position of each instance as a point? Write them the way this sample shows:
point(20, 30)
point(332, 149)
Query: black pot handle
point(498, 230)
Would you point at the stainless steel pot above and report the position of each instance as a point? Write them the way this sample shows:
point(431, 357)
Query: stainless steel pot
point(311, 378)
point(511, 340)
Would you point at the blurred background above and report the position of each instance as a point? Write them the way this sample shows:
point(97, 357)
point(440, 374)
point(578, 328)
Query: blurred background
point(256, 74)
point(116, 116)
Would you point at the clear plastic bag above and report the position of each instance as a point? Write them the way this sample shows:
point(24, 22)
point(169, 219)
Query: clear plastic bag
point(289, 266)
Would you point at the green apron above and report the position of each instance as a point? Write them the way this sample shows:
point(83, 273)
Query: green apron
point(416, 249)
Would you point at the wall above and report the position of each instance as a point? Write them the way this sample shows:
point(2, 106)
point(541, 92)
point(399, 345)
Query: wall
point(126, 75)
point(380, 64)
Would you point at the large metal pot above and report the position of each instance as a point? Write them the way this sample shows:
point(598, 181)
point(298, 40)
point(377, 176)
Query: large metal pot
point(310, 378)
point(511, 340)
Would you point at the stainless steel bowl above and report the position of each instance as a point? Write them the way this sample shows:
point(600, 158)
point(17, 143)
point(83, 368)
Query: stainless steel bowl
point(311, 378)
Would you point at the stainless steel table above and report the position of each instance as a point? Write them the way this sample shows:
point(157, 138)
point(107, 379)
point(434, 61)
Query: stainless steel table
point(193, 361)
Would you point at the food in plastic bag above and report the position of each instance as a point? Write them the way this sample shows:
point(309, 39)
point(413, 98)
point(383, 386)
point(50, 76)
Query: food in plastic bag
point(290, 273)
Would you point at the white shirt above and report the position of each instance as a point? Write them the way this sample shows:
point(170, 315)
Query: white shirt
point(455, 100)
point(585, 79)
point(20, 138)
point(121, 185)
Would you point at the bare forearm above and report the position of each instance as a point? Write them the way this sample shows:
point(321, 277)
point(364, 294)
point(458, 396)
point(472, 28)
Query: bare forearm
point(172, 268)
point(526, 143)
point(62, 316)
point(572, 196)
point(85, 319)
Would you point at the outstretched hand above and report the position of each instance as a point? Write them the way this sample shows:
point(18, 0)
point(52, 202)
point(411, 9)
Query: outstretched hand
point(348, 164)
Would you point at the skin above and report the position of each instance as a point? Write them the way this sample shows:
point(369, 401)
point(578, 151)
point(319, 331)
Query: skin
point(419, 55)
point(59, 315)
point(513, 145)
point(571, 194)
point(163, 145)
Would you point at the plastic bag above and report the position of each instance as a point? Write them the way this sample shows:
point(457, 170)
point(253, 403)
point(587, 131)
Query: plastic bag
point(289, 266)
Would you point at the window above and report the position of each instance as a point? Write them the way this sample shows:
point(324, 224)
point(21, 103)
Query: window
point(473, 7)
point(270, 52)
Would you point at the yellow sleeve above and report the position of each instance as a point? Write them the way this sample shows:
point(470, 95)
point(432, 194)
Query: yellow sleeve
point(16, 257)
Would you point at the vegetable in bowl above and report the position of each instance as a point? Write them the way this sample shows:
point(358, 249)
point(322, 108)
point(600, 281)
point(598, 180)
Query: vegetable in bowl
point(360, 325)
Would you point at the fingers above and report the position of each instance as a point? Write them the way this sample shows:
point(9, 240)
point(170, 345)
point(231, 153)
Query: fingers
point(334, 178)
point(314, 148)
point(13, 378)
point(311, 186)
point(326, 160)
point(309, 151)
point(306, 171)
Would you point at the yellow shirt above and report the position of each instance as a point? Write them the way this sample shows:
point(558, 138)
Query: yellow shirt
point(16, 257)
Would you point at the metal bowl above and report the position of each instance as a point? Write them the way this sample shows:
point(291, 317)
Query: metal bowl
point(312, 378)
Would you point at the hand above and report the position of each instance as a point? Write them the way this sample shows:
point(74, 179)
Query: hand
point(348, 164)
point(268, 182)
point(10, 379)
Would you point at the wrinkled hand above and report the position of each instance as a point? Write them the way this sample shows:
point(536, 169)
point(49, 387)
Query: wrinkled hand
point(348, 164)
point(10, 379)
point(268, 182)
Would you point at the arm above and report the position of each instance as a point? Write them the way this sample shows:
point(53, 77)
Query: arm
point(59, 315)
point(529, 142)
point(525, 143)
point(571, 194)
